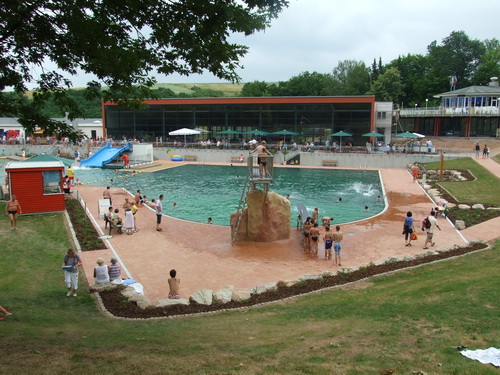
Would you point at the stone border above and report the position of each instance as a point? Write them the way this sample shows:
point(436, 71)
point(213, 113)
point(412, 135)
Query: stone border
point(266, 287)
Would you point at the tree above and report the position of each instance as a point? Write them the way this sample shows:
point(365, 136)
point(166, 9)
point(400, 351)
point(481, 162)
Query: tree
point(458, 56)
point(120, 43)
point(349, 77)
point(305, 84)
point(489, 65)
point(255, 88)
point(388, 86)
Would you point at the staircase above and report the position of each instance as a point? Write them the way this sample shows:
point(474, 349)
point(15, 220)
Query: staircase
point(241, 207)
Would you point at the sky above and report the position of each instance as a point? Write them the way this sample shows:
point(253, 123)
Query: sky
point(315, 35)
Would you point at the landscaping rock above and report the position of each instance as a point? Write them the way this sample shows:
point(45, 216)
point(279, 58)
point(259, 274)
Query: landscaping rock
point(241, 295)
point(102, 287)
point(128, 292)
point(290, 282)
point(450, 205)
point(477, 206)
point(142, 301)
point(264, 288)
point(224, 295)
point(202, 297)
point(493, 208)
point(460, 224)
point(348, 269)
point(464, 206)
point(172, 302)
point(310, 277)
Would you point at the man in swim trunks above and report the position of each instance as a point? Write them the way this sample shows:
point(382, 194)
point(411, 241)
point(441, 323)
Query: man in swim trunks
point(337, 238)
point(263, 153)
point(328, 238)
point(314, 240)
point(414, 171)
point(12, 208)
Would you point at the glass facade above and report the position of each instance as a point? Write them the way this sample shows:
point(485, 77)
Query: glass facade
point(313, 121)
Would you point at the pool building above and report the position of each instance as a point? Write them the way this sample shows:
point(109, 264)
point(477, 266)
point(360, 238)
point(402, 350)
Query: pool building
point(314, 118)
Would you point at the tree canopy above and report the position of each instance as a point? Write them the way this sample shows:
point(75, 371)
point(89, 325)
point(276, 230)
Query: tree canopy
point(120, 43)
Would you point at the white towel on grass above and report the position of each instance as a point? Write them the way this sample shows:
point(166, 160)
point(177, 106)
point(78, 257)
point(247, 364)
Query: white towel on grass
point(490, 355)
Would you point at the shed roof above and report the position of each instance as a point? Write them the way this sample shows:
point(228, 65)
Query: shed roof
point(33, 165)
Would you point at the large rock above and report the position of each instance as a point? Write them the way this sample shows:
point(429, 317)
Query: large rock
point(460, 224)
point(464, 206)
point(266, 219)
point(224, 295)
point(202, 297)
point(264, 288)
point(477, 206)
point(103, 287)
point(172, 302)
point(142, 301)
point(128, 292)
point(241, 295)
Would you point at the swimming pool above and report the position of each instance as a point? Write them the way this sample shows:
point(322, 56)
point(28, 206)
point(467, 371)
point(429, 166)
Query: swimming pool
point(202, 191)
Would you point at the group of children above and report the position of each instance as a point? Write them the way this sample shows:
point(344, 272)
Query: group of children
point(311, 234)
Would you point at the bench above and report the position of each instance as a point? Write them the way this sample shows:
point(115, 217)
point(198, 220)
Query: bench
point(330, 163)
point(236, 159)
point(190, 158)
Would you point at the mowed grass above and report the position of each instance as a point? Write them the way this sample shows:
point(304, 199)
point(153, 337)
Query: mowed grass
point(485, 189)
point(409, 321)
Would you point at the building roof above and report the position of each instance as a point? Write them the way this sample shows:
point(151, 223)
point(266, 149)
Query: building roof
point(33, 164)
point(46, 157)
point(471, 91)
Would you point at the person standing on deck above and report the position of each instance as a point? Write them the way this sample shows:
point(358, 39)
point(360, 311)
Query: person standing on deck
point(263, 153)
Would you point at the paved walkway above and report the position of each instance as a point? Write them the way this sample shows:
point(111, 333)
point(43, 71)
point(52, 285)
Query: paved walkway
point(204, 257)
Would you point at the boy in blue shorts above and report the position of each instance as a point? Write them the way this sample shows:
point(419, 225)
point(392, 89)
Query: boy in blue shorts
point(337, 247)
point(328, 238)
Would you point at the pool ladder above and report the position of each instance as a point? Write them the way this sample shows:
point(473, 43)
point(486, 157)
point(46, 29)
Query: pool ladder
point(239, 212)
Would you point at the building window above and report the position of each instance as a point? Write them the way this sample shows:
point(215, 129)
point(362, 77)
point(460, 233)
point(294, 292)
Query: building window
point(51, 182)
point(381, 115)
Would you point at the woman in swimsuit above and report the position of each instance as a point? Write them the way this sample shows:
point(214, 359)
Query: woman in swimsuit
point(307, 239)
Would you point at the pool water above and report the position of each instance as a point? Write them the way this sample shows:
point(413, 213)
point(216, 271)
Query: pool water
point(202, 191)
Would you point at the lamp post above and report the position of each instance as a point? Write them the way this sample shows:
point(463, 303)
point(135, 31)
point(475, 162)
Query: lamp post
point(426, 101)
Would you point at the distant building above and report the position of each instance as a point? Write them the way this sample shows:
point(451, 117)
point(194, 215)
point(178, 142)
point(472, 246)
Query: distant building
point(314, 118)
point(467, 112)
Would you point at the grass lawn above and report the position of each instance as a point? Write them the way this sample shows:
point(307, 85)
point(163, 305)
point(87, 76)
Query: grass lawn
point(483, 190)
point(409, 321)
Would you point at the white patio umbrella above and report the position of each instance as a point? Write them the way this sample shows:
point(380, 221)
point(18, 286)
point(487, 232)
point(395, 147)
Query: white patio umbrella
point(184, 132)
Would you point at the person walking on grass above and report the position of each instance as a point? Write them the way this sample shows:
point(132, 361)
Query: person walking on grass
point(12, 208)
point(70, 266)
point(430, 230)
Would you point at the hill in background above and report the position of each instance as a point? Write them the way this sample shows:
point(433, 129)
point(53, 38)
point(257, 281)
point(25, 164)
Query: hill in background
point(228, 89)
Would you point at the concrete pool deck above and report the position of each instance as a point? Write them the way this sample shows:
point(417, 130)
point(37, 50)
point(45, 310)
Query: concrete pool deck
point(203, 255)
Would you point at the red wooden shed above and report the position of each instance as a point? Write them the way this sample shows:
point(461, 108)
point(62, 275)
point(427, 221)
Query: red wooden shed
point(37, 186)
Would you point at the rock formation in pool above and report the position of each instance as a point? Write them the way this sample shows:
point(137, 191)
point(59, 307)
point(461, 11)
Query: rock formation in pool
point(266, 217)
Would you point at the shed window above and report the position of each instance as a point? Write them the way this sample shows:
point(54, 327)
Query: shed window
point(51, 182)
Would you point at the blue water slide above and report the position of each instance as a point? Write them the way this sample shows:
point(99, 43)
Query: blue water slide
point(104, 155)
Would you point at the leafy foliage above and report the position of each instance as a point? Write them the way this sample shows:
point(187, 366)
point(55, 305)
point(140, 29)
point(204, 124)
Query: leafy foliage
point(120, 44)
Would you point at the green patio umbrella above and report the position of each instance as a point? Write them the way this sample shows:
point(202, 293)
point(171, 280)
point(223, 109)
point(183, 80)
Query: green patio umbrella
point(373, 134)
point(341, 134)
point(229, 132)
point(406, 134)
point(285, 132)
point(257, 132)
